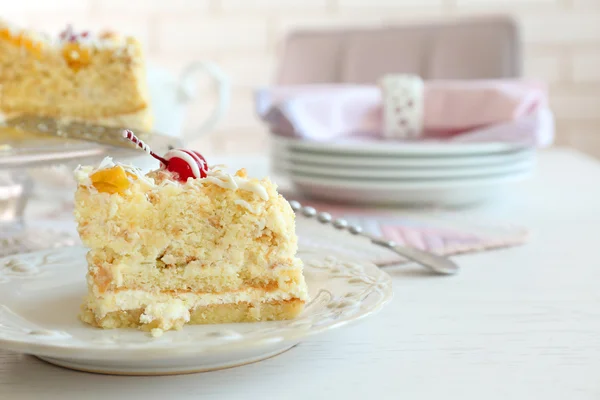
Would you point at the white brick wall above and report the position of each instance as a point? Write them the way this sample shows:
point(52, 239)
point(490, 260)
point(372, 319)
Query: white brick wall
point(586, 67)
point(44, 5)
point(578, 107)
point(509, 3)
point(561, 28)
point(182, 34)
point(150, 7)
point(269, 5)
point(562, 46)
point(546, 67)
point(586, 4)
point(583, 136)
point(248, 71)
point(387, 4)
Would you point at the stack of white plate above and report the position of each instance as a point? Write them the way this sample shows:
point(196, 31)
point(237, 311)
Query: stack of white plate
point(384, 173)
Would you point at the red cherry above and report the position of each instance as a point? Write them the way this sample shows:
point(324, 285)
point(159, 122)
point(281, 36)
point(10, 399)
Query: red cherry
point(181, 163)
point(184, 164)
point(180, 168)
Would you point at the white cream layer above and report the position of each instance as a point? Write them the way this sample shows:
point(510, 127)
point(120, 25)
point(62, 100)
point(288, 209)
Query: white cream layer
point(136, 299)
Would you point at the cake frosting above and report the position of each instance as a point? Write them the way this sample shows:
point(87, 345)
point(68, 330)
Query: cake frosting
point(103, 40)
point(216, 175)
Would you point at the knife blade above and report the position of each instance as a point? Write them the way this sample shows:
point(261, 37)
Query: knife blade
point(85, 131)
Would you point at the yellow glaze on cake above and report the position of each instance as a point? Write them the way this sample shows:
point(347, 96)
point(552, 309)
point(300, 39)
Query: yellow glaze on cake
point(99, 79)
point(165, 253)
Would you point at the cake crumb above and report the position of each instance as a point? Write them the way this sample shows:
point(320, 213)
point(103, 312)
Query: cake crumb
point(255, 311)
point(169, 259)
point(156, 332)
point(167, 315)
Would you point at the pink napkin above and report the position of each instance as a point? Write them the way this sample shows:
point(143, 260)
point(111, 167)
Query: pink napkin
point(437, 231)
point(465, 111)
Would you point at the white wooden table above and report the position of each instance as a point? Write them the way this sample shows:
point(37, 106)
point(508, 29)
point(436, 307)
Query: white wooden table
point(519, 323)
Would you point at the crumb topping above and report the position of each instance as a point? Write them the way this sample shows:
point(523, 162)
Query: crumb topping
point(115, 178)
point(76, 48)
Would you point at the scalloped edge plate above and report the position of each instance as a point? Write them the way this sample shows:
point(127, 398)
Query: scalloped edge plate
point(387, 148)
point(40, 294)
point(385, 162)
point(359, 172)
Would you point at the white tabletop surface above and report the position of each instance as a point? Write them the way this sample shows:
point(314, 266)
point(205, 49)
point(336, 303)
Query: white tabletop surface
point(518, 323)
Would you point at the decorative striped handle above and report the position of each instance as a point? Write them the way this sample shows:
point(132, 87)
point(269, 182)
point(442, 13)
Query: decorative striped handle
point(129, 135)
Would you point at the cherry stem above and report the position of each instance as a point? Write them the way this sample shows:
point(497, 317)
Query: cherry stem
point(129, 135)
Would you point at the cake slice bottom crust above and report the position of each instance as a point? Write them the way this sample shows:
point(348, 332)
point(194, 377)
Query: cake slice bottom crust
point(211, 314)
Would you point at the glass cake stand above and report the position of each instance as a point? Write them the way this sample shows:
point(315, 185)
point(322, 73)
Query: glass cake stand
point(36, 169)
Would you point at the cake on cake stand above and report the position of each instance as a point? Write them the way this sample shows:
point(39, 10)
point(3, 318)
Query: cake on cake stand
point(23, 158)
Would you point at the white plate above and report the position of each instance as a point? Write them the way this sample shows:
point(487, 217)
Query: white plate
point(395, 148)
point(447, 192)
point(358, 171)
point(340, 160)
point(40, 294)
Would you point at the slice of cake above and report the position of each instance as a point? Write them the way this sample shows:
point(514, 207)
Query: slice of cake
point(185, 244)
point(97, 78)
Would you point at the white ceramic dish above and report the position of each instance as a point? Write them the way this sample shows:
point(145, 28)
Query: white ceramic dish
point(324, 159)
point(40, 294)
point(393, 149)
point(434, 193)
point(358, 171)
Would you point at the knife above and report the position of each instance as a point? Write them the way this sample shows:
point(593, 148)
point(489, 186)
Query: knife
point(85, 131)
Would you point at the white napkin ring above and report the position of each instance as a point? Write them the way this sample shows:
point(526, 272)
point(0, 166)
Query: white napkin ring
point(402, 99)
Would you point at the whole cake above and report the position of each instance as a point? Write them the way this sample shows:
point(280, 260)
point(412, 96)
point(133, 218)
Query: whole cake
point(97, 78)
point(186, 243)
